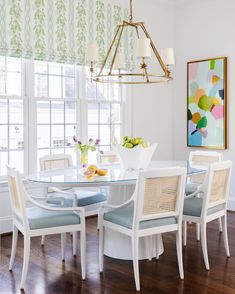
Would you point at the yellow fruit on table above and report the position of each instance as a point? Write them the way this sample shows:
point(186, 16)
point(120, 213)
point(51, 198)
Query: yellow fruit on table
point(89, 174)
point(102, 172)
point(92, 167)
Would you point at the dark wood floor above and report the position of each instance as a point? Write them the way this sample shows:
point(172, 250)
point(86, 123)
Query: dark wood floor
point(47, 274)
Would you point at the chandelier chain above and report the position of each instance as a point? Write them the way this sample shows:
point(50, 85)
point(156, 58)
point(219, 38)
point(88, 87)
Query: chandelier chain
point(131, 15)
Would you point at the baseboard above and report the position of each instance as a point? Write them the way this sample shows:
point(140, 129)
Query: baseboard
point(5, 224)
point(231, 203)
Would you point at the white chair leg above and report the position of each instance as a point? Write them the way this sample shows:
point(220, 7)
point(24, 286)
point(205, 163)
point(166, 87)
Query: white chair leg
point(179, 252)
point(83, 252)
point(204, 245)
point(101, 248)
point(13, 249)
point(225, 235)
point(75, 243)
point(26, 261)
point(135, 253)
point(43, 240)
point(220, 225)
point(63, 245)
point(198, 231)
point(149, 247)
point(158, 240)
point(185, 232)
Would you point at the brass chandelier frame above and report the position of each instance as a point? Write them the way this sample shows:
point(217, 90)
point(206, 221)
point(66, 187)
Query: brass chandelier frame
point(148, 78)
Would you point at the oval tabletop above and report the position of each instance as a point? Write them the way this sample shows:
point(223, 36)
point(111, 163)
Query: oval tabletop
point(115, 174)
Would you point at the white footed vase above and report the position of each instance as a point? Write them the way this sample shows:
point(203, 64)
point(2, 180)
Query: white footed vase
point(135, 158)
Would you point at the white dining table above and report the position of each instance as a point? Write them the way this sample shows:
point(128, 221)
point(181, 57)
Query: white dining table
point(121, 185)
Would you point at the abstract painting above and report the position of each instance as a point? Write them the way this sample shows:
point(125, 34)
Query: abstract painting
point(206, 103)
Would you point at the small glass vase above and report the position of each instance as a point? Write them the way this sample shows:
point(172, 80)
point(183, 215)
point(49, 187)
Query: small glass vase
point(84, 157)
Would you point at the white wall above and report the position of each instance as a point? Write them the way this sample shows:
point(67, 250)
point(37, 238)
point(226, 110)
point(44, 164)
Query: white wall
point(152, 104)
point(203, 29)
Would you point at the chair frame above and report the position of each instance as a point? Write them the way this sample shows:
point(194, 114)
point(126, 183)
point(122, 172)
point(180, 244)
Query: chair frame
point(207, 154)
point(204, 218)
point(135, 233)
point(18, 191)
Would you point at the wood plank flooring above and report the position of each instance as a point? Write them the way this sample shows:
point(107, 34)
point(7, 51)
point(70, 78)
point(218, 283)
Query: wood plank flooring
point(47, 274)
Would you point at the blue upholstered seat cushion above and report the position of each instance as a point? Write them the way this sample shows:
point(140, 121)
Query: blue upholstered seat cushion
point(124, 217)
point(84, 198)
point(41, 218)
point(193, 207)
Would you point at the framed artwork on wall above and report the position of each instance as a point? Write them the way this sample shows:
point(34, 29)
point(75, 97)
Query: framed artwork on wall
point(206, 103)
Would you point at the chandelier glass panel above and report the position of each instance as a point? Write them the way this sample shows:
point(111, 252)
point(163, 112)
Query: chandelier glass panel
point(114, 69)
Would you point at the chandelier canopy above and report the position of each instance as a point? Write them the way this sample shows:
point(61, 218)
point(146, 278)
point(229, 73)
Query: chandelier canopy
point(113, 67)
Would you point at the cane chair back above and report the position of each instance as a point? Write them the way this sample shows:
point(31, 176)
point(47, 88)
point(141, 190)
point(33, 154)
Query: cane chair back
point(57, 161)
point(107, 158)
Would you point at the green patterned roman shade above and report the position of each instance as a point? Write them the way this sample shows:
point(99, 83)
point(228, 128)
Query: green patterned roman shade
point(59, 30)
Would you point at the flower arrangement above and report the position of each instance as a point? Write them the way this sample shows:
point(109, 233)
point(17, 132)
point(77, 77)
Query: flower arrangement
point(84, 148)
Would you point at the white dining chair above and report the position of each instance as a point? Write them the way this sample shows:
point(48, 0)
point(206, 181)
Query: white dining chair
point(41, 219)
point(200, 159)
point(212, 206)
point(155, 208)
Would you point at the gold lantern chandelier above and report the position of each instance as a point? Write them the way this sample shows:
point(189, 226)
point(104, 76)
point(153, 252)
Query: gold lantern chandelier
point(113, 67)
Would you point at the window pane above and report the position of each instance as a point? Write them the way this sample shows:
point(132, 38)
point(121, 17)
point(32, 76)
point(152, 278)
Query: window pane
point(70, 131)
point(115, 134)
point(41, 86)
point(102, 93)
point(73, 153)
point(115, 92)
point(3, 111)
point(90, 89)
point(70, 112)
point(69, 70)
point(93, 113)
point(93, 132)
point(68, 87)
point(57, 151)
point(57, 136)
point(16, 111)
point(40, 67)
point(3, 137)
point(104, 113)
point(16, 137)
point(115, 113)
point(13, 64)
point(43, 133)
point(55, 68)
point(55, 86)
point(17, 160)
point(43, 112)
point(3, 163)
point(105, 134)
point(14, 83)
point(57, 112)
point(2, 82)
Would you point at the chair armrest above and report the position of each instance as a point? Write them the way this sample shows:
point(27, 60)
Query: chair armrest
point(105, 205)
point(46, 198)
point(54, 189)
point(76, 209)
point(199, 190)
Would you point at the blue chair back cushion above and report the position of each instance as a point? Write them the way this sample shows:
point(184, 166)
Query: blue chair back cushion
point(193, 207)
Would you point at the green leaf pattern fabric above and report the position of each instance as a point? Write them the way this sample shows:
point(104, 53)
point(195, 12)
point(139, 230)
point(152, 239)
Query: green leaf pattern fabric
point(59, 30)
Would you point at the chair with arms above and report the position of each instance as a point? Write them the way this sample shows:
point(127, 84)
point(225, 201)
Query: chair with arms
point(41, 219)
point(73, 196)
point(155, 208)
point(212, 206)
point(200, 159)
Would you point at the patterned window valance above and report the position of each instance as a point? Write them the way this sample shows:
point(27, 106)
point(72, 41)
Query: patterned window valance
point(59, 30)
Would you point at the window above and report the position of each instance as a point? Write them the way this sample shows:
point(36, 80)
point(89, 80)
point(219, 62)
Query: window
point(44, 104)
point(56, 108)
point(11, 114)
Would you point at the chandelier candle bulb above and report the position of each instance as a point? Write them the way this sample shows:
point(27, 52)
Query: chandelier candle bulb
point(119, 61)
point(92, 54)
point(167, 55)
point(143, 48)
